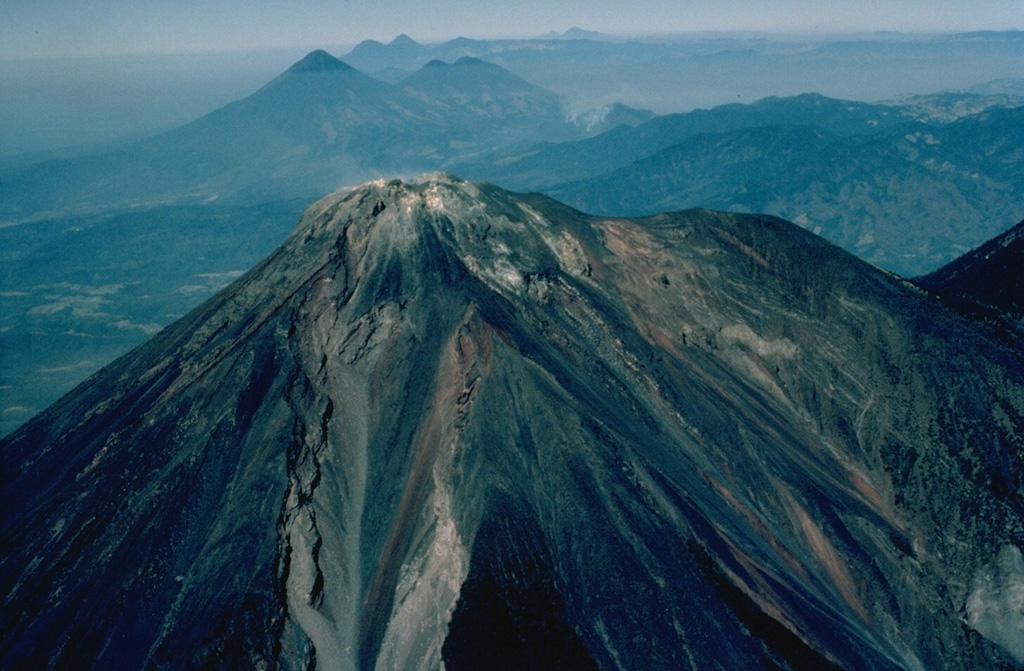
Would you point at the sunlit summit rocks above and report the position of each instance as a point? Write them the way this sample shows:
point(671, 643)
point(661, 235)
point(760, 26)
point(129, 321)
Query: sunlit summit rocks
point(443, 415)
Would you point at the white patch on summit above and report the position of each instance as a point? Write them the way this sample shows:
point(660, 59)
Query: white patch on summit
point(434, 200)
point(995, 608)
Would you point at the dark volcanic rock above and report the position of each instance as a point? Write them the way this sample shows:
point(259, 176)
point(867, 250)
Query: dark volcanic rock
point(442, 412)
point(986, 283)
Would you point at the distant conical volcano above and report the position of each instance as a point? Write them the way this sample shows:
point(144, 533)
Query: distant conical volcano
point(319, 124)
point(318, 61)
point(445, 423)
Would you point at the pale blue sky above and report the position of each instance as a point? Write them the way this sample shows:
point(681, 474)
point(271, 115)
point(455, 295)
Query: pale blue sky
point(33, 28)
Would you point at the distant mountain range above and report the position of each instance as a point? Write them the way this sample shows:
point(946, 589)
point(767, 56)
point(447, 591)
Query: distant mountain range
point(549, 164)
point(319, 125)
point(54, 104)
point(950, 106)
point(888, 182)
point(448, 424)
point(684, 72)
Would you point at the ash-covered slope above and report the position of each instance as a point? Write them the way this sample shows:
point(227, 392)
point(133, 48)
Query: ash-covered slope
point(445, 420)
point(986, 283)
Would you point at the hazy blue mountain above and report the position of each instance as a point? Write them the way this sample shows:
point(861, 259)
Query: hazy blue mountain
point(480, 104)
point(576, 33)
point(906, 195)
point(51, 104)
point(317, 126)
point(545, 165)
point(1012, 86)
point(391, 75)
point(685, 72)
point(304, 133)
point(443, 418)
point(950, 106)
point(402, 52)
point(609, 117)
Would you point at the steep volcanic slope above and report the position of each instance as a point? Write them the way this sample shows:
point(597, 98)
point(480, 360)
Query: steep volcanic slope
point(443, 415)
point(987, 282)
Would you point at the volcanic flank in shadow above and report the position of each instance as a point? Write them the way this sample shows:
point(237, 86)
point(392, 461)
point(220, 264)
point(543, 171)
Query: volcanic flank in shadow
point(510, 602)
point(986, 283)
point(443, 414)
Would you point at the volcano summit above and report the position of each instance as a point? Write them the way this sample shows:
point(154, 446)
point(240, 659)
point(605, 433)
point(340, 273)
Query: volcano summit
point(445, 424)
